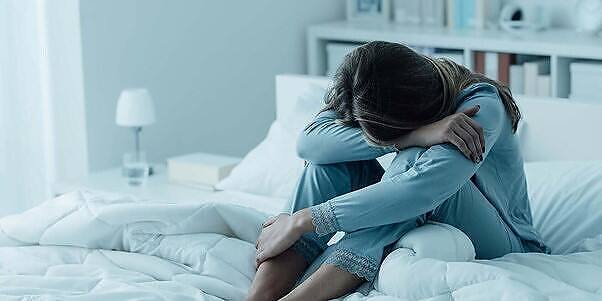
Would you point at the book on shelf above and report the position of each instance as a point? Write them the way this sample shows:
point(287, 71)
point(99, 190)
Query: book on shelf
point(450, 12)
point(432, 13)
point(468, 14)
point(462, 13)
point(517, 79)
point(479, 62)
point(478, 14)
point(492, 65)
point(504, 62)
point(408, 12)
point(487, 13)
point(532, 70)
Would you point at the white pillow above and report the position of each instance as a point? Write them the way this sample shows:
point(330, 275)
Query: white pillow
point(305, 109)
point(272, 168)
point(566, 200)
point(433, 240)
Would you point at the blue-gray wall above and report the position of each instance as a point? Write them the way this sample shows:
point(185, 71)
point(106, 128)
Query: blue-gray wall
point(210, 66)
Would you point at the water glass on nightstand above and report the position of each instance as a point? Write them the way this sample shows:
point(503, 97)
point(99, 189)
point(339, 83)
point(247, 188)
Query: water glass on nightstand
point(135, 168)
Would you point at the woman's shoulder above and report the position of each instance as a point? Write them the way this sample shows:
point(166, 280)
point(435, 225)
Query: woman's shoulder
point(478, 89)
point(488, 98)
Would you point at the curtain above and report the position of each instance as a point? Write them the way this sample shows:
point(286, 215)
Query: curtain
point(26, 170)
point(41, 100)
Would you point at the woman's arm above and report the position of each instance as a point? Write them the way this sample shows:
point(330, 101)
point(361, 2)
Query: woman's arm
point(326, 142)
point(438, 173)
point(459, 129)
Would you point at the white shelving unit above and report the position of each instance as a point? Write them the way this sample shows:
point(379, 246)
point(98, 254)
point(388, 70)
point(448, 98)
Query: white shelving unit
point(561, 46)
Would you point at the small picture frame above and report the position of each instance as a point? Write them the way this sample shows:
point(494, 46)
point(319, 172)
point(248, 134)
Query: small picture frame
point(369, 10)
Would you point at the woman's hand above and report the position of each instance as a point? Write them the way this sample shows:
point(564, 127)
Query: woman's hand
point(280, 232)
point(458, 129)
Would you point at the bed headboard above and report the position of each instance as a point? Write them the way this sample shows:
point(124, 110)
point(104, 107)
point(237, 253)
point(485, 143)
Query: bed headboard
point(556, 129)
point(552, 129)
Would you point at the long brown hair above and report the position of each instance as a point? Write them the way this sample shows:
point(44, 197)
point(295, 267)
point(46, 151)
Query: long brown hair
point(388, 90)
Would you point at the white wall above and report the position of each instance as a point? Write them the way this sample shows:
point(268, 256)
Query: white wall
point(210, 66)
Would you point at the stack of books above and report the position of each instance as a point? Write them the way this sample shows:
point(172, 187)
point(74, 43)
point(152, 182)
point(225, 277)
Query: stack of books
point(586, 80)
point(477, 14)
point(199, 170)
point(524, 75)
point(420, 12)
point(536, 78)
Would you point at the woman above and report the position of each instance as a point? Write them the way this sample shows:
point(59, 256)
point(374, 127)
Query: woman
point(458, 162)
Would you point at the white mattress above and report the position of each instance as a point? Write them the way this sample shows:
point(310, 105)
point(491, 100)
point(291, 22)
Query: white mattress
point(86, 246)
point(267, 204)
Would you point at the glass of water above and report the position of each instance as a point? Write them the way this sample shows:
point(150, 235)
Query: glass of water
point(135, 169)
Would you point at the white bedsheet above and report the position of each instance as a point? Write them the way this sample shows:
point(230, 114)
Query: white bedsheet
point(268, 204)
point(86, 246)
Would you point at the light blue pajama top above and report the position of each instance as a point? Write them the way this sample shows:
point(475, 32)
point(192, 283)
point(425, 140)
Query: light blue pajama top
point(437, 173)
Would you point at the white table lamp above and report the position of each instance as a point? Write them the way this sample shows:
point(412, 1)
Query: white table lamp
point(135, 109)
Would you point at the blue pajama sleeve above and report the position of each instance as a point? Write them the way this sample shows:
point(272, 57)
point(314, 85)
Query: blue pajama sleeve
point(438, 173)
point(326, 141)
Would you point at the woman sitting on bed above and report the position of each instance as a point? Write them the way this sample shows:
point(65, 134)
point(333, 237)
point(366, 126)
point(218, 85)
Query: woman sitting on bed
point(458, 162)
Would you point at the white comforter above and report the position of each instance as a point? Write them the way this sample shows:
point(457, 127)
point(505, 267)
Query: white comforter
point(85, 246)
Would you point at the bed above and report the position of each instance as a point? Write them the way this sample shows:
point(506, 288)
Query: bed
point(90, 245)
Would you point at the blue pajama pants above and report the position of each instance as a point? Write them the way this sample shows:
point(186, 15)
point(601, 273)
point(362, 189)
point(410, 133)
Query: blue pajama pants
point(361, 252)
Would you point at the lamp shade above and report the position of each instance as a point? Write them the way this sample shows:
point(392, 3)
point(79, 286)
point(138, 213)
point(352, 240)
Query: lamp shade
point(135, 108)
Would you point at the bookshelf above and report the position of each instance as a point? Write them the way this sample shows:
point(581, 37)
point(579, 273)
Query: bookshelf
point(559, 46)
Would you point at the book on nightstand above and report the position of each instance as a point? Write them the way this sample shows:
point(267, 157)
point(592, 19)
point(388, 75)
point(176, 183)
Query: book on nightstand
point(200, 170)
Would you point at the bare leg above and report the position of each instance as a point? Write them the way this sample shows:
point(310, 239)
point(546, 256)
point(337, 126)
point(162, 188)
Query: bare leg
point(277, 276)
point(328, 282)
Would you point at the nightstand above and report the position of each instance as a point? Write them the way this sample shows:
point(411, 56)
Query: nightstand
point(157, 186)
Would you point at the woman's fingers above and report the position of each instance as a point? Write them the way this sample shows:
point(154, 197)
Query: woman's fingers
point(475, 138)
point(479, 129)
point(269, 221)
point(472, 111)
point(257, 262)
point(257, 256)
point(468, 140)
point(459, 143)
point(261, 256)
point(258, 241)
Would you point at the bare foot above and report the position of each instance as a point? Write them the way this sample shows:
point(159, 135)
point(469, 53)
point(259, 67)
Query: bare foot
point(277, 276)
